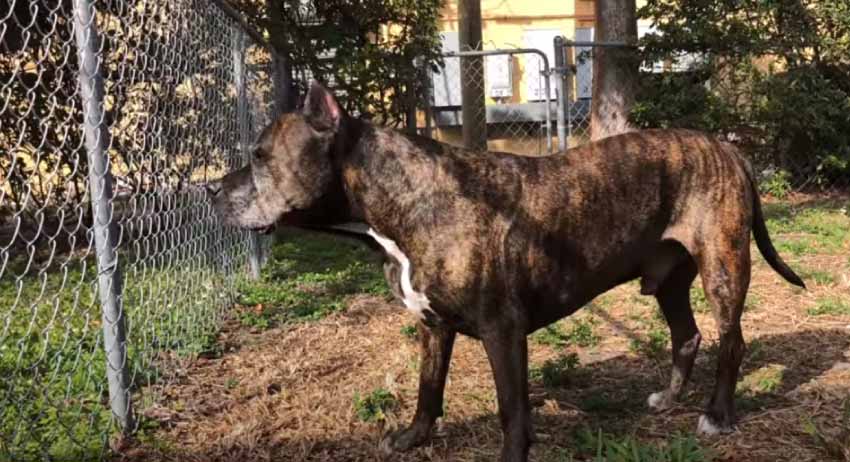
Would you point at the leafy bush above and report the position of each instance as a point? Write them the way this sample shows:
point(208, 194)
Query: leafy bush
point(777, 183)
point(368, 50)
point(778, 86)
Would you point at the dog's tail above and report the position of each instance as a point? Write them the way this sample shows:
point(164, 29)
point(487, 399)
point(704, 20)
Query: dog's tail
point(765, 245)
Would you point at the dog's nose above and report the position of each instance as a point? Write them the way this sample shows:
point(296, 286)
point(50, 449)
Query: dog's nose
point(213, 188)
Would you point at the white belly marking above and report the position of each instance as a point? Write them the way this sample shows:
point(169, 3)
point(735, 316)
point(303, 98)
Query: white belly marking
point(414, 301)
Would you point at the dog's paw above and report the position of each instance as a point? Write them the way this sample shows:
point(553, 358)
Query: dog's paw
point(706, 426)
point(660, 401)
point(403, 440)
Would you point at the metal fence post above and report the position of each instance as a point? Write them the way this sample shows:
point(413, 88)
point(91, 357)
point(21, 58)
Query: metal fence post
point(569, 72)
point(422, 73)
point(547, 71)
point(104, 227)
point(560, 69)
point(255, 257)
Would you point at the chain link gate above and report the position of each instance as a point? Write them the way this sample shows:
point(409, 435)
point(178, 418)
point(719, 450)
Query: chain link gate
point(517, 103)
point(573, 81)
point(112, 263)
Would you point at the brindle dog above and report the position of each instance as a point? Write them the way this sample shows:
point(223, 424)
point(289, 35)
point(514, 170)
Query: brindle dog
point(495, 246)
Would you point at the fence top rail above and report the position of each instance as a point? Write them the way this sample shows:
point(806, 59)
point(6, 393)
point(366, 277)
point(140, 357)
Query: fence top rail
point(584, 43)
point(501, 51)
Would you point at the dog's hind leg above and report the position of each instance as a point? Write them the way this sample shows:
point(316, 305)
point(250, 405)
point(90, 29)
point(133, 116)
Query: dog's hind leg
point(436, 352)
point(674, 299)
point(725, 269)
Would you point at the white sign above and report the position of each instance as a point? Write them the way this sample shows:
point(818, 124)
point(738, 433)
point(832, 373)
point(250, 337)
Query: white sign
point(535, 81)
point(498, 76)
point(446, 81)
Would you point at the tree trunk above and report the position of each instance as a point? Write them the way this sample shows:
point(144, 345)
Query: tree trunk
point(474, 119)
point(615, 70)
point(281, 70)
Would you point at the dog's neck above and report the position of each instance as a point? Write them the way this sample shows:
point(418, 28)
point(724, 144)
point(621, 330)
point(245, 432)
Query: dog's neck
point(385, 177)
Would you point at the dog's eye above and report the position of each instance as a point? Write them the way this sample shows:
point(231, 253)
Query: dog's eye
point(259, 154)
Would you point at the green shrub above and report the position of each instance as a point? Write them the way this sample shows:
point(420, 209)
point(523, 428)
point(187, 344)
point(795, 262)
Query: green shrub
point(758, 81)
point(410, 331)
point(777, 183)
point(374, 406)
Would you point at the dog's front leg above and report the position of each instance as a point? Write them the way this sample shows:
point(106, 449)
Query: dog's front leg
point(436, 352)
point(507, 350)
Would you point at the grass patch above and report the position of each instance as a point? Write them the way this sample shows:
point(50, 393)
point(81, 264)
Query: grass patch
point(51, 347)
point(767, 379)
point(582, 333)
point(557, 372)
point(797, 246)
point(824, 227)
point(602, 447)
point(818, 276)
point(552, 335)
point(374, 406)
point(410, 331)
point(256, 317)
point(755, 390)
point(654, 345)
point(699, 304)
point(832, 306)
point(309, 276)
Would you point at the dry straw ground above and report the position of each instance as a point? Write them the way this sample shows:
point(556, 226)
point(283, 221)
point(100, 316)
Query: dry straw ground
point(286, 392)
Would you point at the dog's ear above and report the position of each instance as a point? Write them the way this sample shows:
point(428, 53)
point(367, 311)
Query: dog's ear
point(321, 108)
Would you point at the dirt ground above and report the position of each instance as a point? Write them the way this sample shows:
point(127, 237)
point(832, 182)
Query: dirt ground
point(287, 393)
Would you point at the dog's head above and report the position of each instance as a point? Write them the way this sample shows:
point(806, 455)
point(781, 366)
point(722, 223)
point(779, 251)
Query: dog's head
point(291, 168)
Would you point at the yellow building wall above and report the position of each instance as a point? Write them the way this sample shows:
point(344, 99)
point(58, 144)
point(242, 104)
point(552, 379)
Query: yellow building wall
point(504, 23)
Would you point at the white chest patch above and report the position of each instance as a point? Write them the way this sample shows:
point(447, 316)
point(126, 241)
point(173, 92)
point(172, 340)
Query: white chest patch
point(414, 301)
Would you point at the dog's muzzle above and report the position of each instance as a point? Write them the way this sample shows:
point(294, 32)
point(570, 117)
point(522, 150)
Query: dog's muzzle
point(213, 188)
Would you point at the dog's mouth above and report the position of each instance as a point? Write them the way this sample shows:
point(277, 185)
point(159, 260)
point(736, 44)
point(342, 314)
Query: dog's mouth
point(263, 229)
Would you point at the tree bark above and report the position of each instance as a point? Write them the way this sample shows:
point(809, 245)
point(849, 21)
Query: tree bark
point(474, 118)
point(615, 70)
point(281, 69)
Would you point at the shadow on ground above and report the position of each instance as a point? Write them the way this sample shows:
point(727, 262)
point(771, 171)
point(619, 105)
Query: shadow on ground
point(609, 394)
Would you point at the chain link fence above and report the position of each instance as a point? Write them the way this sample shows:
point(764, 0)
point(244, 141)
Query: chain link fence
point(742, 103)
point(574, 86)
point(507, 97)
point(510, 89)
point(112, 262)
